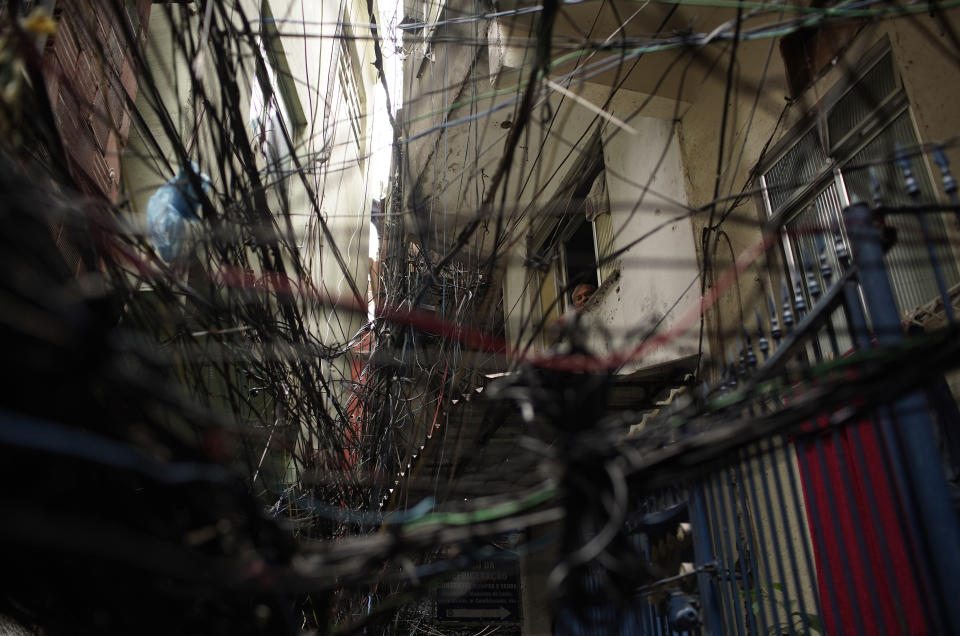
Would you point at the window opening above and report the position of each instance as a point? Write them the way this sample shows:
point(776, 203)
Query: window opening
point(351, 82)
point(597, 210)
point(581, 257)
point(570, 243)
point(574, 252)
point(807, 186)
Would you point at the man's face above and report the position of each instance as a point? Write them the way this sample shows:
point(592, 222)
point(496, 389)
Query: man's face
point(581, 294)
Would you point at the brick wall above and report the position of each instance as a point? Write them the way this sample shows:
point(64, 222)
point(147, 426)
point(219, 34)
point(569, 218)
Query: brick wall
point(91, 80)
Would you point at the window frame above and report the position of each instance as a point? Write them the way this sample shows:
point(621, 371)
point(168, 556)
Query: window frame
point(838, 154)
point(890, 107)
point(549, 249)
point(348, 67)
point(266, 105)
point(272, 83)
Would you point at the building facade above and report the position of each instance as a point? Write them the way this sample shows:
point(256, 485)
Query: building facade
point(278, 114)
point(696, 179)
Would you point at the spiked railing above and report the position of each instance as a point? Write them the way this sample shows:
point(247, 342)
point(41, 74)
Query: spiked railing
point(843, 521)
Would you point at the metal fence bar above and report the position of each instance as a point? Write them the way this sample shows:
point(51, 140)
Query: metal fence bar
point(860, 467)
point(817, 532)
point(755, 590)
point(913, 191)
point(648, 615)
point(937, 271)
point(747, 544)
point(888, 570)
point(929, 489)
point(874, 595)
point(755, 499)
point(742, 558)
point(848, 491)
point(910, 523)
point(785, 522)
point(838, 532)
point(726, 559)
point(703, 556)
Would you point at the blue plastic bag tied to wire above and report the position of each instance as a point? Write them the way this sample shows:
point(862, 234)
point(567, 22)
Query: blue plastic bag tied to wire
point(168, 210)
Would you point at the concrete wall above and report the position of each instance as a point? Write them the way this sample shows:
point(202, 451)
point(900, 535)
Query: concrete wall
point(148, 163)
point(335, 169)
point(658, 273)
point(336, 186)
point(748, 131)
point(456, 122)
point(344, 193)
point(646, 190)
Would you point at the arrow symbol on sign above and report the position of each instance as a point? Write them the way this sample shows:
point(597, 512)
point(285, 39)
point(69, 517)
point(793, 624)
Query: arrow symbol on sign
point(495, 612)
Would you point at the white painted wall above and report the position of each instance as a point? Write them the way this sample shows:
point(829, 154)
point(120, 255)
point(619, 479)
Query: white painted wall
point(340, 183)
point(658, 275)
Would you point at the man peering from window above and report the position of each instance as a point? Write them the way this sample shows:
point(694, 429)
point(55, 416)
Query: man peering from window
point(581, 294)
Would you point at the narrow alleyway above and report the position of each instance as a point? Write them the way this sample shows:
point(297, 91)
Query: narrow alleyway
point(603, 317)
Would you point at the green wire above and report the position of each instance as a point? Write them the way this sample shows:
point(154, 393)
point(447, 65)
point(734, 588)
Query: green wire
point(477, 516)
point(821, 371)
